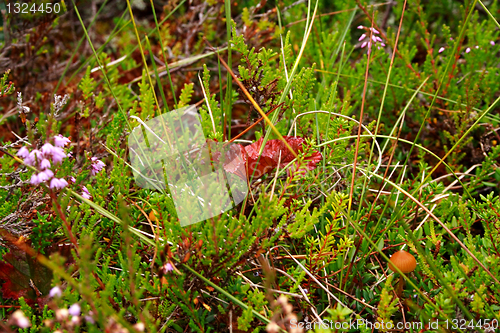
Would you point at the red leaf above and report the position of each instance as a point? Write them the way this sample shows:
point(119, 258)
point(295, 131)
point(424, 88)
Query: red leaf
point(236, 160)
point(24, 276)
point(275, 152)
point(13, 285)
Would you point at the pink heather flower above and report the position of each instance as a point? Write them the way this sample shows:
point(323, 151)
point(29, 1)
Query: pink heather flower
point(58, 183)
point(72, 179)
point(61, 141)
point(33, 157)
point(374, 40)
point(44, 164)
point(441, 50)
point(55, 292)
point(375, 31)
point(35, 180)
point(57, 155)
point(477, 46)
point(86, 193)
point(20, 320)
point(467, 50)
point(23, 152)
point(47, 149)
point(45, 175)
point(56, 152)
point(96, 166)
point(89, 318)
point(492, 43)
point(168, 267)
point(74, 310)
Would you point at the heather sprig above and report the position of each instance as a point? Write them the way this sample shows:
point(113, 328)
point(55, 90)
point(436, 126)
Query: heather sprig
point(41, 160)
point(86, 193)
point(373, 39)
point(96, 166)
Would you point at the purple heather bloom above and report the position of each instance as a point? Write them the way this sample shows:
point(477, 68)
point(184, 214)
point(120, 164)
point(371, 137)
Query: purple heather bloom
point(89, 318)
point(441, 50)
point(95, 160)
point(168, 267)
point(55, 292)
point(44, 164)
point(86, 193)
point(35, 180)
point(96, 166)
point(57, 155)
point(45, 175)
point(47, 149)
point(374, 40)
point(56, 152)
point(33, 157)
point(58, 183)
point(74, 310)
point(72, 179)
point(42, 160)
point(61, 141)
point(492, 43)
point(375, 31)
point(41, 177)
point(23, 152)
point(467, 50)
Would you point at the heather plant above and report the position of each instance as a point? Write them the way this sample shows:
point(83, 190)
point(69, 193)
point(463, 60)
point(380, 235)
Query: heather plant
point(359, 129)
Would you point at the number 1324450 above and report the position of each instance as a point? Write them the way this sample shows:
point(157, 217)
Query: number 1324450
point(32, 8)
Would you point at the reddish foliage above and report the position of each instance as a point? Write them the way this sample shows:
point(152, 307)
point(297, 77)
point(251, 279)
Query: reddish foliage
point(274, 154)
point(11, 287)
point(24, 276)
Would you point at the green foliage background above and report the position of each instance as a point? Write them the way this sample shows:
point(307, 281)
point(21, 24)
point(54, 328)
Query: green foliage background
point(430, 132)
